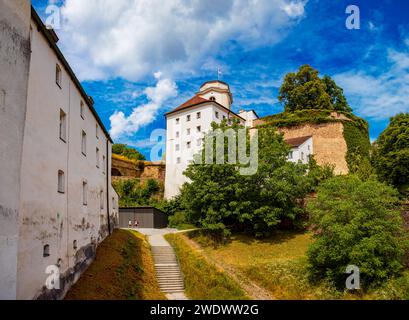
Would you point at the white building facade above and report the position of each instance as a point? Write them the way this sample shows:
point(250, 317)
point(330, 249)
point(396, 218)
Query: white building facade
point(187, 125)
point(301, 149)
point(66, 204)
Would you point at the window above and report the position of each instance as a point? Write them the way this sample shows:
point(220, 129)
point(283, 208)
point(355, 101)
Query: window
point(82, 110)
point(63, 126)
point(74, 245)
point(84, 143)
point(84, 193)
point(177, 147)
point(199, 128)
point(224, 117)
point(188, 144)
point(188, 118)
point(178, 160)
point(97, 157)
point(177, 134)
point(198, 115)
point(177, 121)
point(302, 155)
point(101, 199)
point(113, 203)
point(61, 181)
point(103, 164)
point(188, 131)
point(290, 155)
point(46, 251)
point(96, 131)
point(217, 115)
point(58, 75)
point(212, 99)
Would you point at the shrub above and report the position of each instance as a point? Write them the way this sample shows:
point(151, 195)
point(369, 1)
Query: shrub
point(356, 223)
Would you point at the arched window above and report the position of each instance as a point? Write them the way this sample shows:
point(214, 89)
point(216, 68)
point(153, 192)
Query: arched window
point(212, 99)
point(46, 251)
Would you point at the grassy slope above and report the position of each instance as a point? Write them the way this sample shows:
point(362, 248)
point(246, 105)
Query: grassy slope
point(203, 281)
point(279, 264)
point(123, 270)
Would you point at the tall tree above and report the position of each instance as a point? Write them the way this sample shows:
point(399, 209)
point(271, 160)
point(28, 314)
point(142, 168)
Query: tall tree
point(391, 152)
point(304, 89)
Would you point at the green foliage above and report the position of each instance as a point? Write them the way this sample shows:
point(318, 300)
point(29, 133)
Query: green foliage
point(391, 154)
point(132, 193)
point(356, 223)
point(220, 199)
point(358, 144)
point(124, 150)
point(177, 219)
point(306, 90)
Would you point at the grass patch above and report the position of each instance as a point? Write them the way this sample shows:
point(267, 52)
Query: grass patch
point(279, 264)
point(203, 281)
point(123, 270)
point(185, 226)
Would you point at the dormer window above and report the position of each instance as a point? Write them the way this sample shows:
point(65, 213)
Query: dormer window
point(212, 99)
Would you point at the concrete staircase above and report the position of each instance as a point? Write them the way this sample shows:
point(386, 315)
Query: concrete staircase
point(167, 270)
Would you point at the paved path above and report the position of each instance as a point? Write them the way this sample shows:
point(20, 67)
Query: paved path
point(168, 273)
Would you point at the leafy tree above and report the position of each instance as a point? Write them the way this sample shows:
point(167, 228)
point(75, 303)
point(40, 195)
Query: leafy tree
point(306, 90)
point(356, 223)
point(391, 152)
point(124, 150)
point(220, 198)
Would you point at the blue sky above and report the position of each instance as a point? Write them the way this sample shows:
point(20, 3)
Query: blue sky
point(141, 58)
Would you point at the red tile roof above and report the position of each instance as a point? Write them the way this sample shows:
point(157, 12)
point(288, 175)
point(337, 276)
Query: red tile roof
point(196, 100)
point(296, 142)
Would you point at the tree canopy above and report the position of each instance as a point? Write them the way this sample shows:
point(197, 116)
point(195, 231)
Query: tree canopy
point(391, 152)
point(219, 198)
point(130, 153)
point(356, 223)
point(304, 89)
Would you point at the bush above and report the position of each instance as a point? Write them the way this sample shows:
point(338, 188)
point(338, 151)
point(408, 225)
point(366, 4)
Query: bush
point(356, 223)
point(178, 219)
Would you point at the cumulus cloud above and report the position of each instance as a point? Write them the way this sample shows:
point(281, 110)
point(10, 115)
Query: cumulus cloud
point(382, 95)
point(125, 126)
point(129, 38)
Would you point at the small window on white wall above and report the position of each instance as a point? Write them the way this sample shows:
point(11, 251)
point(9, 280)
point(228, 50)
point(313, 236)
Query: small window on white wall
point(97, 157)
point(217, 115)
point(178, 160)
point(188, 117)
point(177, 120)
point(198, 115)
point(84, 193)
point(101, 198)
point(61, 181)
point(199, 128)
point(84, 143)
point(212, 99)
point(177, 134)
point(103, 164)
point(177, 147)
point(58, 75)
point(96, 131)
point(302, 155)
point(188, 144)
point(188, 131)
point(290, 155)
point(63, 126)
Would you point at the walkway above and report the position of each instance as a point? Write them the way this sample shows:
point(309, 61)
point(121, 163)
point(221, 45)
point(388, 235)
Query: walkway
point(167, 268)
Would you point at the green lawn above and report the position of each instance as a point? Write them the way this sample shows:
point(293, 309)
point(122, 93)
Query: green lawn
point(279, 264)
point(203, 281)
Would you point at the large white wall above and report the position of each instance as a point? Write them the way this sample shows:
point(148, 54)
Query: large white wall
point(48, 217)
point(14, 66)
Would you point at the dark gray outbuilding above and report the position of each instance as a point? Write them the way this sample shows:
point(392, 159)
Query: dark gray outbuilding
point(147, 217)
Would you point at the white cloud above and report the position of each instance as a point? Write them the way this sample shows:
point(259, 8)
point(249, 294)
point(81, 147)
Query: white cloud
point(130, 38)
point(379, 96)
point(123, 126)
